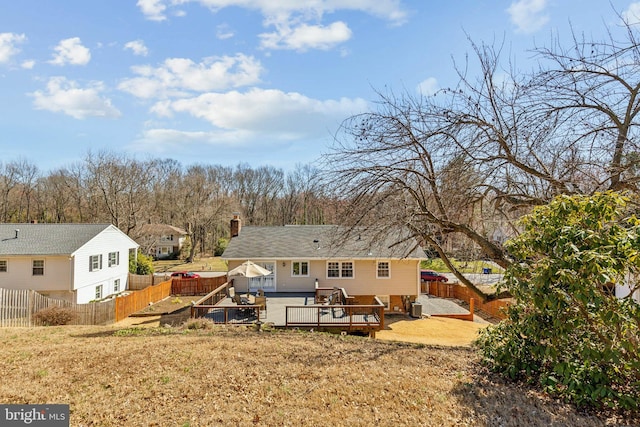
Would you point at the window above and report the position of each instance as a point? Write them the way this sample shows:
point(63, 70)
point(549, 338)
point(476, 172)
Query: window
point(3, 265)
point(340, 269)
point(99, 292)
point(347, 269)
point(383, 270)
point(300, 269)
point(95, 262)
point(386, 301)
point(333, 269)
point(116, 286)
point(38, 267)
point(114, 258)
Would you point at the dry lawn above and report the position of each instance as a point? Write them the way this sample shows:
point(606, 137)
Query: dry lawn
point(432, 331)
point(232, 376)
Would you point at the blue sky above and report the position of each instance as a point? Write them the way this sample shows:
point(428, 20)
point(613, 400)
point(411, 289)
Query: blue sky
point(227, 81)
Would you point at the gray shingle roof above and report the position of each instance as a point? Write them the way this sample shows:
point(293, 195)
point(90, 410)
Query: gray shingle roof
point(298, 241)
point(46, 239)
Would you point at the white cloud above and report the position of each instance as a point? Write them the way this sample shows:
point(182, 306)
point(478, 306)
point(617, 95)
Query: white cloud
point(164, 140)
point(28, 65)
point(177, 76)
point(305, 37)
point(66, 96)
point(8, 45)
point(153, 10)
point(71, 51)
point(631, 16)
point(428, 86)
point(528, 15)
point(224, 32)
point(284, 116)
point(298, 24)
point(137, 47)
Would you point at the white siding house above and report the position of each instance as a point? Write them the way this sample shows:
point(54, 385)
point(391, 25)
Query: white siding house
point(76, 262)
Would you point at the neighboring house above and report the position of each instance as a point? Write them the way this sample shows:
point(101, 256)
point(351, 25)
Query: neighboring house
point(302, 257)
point(75, 262)
point(161, 241)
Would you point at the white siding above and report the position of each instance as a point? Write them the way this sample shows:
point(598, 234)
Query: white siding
point(85, 281)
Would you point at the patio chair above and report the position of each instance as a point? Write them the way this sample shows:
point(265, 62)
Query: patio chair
point(262, 302)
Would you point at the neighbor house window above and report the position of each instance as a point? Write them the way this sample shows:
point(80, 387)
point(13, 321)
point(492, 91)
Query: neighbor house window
point(116, 285)
point(3, 265)
point(95, 262)
point(114, 258)
point(38, 267)
point(383, 270)
point(340, 269)
point(300, 269)
point(99, 292)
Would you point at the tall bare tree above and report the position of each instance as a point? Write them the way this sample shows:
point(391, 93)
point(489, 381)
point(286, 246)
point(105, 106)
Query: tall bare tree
point(456, 164)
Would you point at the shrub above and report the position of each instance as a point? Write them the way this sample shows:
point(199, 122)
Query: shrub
point(144, 265)
point(54, 316)
point(198, 323)
point(566, 332)
point(221, 246)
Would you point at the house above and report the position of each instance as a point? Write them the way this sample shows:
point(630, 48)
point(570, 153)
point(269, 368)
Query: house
point(304, 257)
point(161, 241)
point(75, 262)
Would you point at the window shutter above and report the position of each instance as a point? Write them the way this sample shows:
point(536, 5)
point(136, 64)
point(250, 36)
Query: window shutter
point(100, 261)
point(90, 263)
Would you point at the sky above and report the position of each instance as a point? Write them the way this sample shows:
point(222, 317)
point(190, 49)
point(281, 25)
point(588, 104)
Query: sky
point(223, 82)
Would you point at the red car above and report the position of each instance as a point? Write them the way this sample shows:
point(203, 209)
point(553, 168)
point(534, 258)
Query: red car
point(185, 275)
point(432, 276)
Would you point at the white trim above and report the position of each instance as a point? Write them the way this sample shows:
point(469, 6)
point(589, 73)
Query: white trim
point(300, 262)
point(378, 269)
point(340, 269)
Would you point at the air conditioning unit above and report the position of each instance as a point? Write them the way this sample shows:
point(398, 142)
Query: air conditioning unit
point(416, 309)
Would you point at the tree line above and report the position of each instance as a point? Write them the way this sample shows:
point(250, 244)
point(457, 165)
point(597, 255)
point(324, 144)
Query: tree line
point(115, 188)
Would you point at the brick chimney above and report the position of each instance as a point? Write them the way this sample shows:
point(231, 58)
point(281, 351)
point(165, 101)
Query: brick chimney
point(236, 225)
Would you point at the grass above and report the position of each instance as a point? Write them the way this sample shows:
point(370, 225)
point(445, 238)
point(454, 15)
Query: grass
point(198, 264)
point(236, 376)
point(477, 266)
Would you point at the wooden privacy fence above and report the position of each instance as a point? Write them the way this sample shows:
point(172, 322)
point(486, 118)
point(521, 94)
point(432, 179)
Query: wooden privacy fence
point(137, 300)
point(17, 307)
point(197, 286)
point(453, 290)
point(140, 281)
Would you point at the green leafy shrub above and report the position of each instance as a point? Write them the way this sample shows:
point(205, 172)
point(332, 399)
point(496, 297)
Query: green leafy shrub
point(143, 266)
point(221, 246)
point(54, 316)
point(566, 331)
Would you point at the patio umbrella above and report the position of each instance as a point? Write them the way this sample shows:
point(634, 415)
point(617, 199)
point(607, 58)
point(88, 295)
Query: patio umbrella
point(249, 269)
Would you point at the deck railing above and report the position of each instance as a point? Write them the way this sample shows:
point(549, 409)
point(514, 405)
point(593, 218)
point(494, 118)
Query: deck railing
point(211, 300)
point(209, 306)
point(369, 317)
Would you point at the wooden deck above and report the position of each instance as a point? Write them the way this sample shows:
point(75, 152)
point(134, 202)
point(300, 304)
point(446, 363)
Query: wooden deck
point(293, 310)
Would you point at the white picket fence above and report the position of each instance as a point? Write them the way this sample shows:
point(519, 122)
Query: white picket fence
point(17, 307)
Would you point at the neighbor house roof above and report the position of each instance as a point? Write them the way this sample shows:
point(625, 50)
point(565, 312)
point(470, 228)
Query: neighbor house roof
point(48, 239)
point(319, 242)
point(161, 229)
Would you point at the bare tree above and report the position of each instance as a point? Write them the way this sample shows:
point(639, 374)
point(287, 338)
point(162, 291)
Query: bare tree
point(455, 164)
